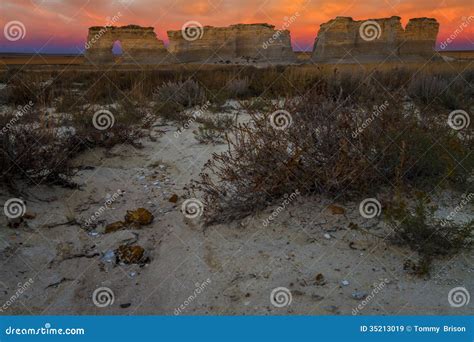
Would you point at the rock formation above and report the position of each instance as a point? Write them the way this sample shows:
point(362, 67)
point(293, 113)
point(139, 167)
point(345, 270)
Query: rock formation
point(375, 39)
point(340, 40)
point(242, 43)
point(139, 45)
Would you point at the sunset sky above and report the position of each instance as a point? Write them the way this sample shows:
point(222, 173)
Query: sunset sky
point(60, 26)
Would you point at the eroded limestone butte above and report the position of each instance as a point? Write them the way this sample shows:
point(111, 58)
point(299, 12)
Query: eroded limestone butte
point(345, 39)
point(241, 43)
point(139, 45)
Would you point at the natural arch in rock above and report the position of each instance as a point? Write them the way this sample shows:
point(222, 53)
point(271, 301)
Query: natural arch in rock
point(139, 45)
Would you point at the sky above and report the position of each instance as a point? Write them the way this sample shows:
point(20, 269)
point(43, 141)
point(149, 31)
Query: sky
point(60, 26)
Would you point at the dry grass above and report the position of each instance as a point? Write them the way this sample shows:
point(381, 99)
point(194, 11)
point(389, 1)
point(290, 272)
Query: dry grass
point(418, 229)
point(335, 145)
point(137, 97)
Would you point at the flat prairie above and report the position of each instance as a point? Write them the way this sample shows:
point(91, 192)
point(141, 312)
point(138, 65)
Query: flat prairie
point(83, 147)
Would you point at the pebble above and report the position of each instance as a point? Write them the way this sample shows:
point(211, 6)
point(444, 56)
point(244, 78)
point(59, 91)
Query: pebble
point(109, 256)
point(359, 295)
point(344, 283)
point(327, 236)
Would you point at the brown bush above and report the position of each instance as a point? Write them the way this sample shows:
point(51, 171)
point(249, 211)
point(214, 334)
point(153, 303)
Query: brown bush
point(38, 148)
point(431, 238)
point(333, 146)
point(36, 153)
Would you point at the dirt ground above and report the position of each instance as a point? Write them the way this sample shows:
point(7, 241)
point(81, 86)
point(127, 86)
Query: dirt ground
point(223, 269)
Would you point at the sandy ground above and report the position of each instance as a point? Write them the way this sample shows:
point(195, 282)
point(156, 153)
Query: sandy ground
point(223, 269)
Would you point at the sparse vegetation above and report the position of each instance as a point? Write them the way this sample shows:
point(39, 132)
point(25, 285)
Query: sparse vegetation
point(37, 153)
point(173, 97)
point(350, 134)
point(38, 146)
point(213, 130)
point(418, 229)
point(319, 153)
point(332, 101)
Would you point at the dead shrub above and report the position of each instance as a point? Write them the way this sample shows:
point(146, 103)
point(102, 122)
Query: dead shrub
point(426, 88)
point(172, 98)
point(418, 229)
point(125, 128)
point(37, 153)
point(212, 130)
point(237, 88)
point(187, 94)
point(38, 147)
point(332, 146)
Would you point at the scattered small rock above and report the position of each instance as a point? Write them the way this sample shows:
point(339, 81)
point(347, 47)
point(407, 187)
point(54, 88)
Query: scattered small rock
point(173, 198)
point(130, 254)
point(29, 215)
point(333, 309)
point(359, 295)
point(109, 256)
point(336, 210)
point(140, 216)
point(353, 225)
point(15, 222)
point(113, 227)
point(344, 283)
point(319, 280)
point(316, 297)
point(327, 236)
